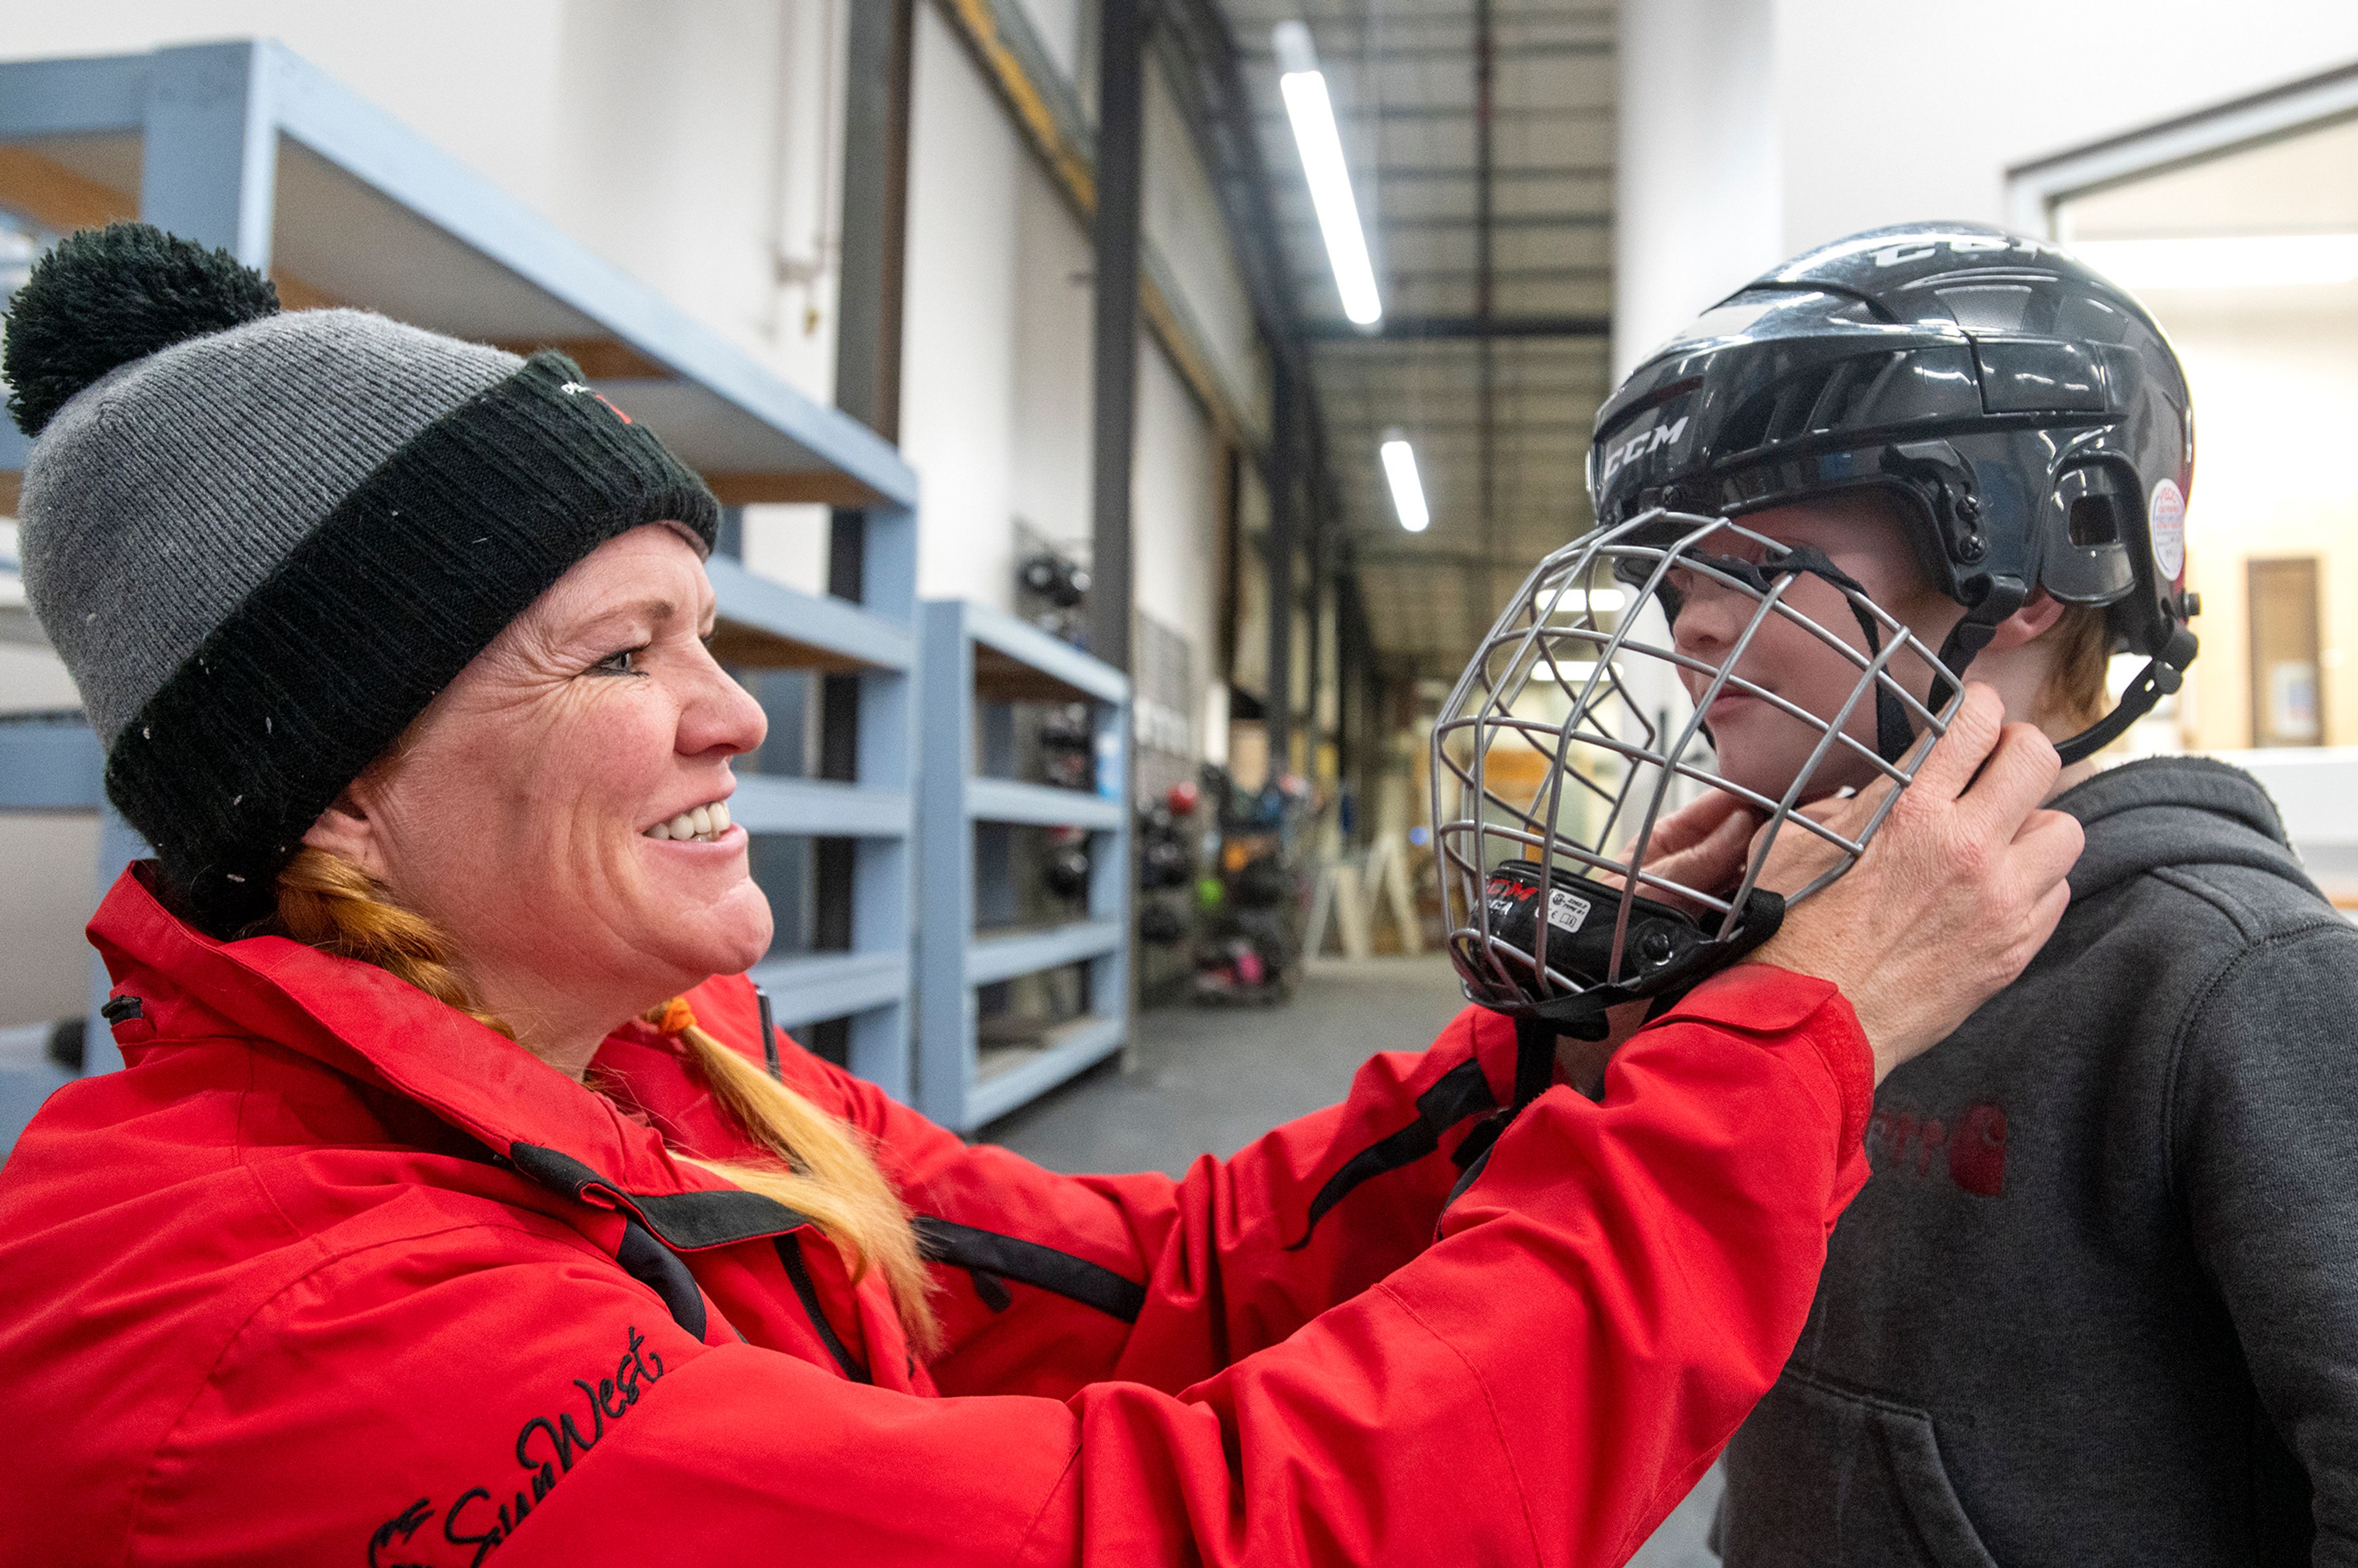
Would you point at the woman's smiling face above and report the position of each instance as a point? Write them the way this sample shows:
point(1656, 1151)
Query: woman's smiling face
point(521, 812)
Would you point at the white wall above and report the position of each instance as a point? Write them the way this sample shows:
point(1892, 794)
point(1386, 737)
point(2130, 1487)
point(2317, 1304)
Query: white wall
point(996, 379)
point(1055, 328)
point(967, 169)
point(1175, 500)
point(479, 78)
point(1851, 114)
point(1181, 218)
point(1697, 187)
point(690, 146)
point(696, 147)
point(1871, 137)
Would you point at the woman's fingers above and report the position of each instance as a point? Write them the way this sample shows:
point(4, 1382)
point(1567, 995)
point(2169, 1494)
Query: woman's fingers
point(2018, 773)
point(1691, 823)
point(1706, 861)
point(2046, 847)
point(1948, 769)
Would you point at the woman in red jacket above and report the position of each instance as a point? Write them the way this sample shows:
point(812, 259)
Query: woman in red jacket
point(447, 1203)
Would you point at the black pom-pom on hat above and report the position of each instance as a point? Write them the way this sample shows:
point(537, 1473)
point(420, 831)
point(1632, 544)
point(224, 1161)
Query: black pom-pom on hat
point(106, 296)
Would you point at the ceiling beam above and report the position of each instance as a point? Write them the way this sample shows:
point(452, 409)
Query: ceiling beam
point(1548, 49)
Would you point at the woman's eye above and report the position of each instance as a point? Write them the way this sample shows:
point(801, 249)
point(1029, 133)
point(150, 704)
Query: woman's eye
point(619, 664)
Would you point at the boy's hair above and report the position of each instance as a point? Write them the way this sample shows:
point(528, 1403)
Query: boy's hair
point(2075, 691)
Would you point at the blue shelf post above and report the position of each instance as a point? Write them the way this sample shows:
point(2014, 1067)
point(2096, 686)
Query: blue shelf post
point(960, 640)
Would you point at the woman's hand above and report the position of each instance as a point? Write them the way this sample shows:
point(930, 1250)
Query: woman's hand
point(1703, 845)
point(1959, 891)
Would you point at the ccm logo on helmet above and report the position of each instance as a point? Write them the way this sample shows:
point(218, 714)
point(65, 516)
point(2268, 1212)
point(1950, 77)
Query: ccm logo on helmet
point(1958, 245)
point(1638, 445)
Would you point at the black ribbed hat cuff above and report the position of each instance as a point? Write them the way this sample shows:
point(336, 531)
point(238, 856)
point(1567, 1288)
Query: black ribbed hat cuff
point(319, 670)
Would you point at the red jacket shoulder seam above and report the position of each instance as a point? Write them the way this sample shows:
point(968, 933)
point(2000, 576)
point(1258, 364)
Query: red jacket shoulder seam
point(1489, 1405)
point(1040, 1513)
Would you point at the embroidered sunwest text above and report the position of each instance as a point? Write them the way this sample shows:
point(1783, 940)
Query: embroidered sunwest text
point(546, 1447)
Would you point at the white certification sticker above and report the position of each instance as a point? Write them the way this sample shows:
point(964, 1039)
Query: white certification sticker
point(2166, 516)
point(1566, 912)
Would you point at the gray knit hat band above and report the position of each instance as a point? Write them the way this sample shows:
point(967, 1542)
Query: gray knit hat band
point(159, 500)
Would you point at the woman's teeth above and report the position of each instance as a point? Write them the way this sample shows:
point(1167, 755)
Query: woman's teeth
point(704, 823)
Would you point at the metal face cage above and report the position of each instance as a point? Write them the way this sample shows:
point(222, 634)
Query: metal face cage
point(1579, 725)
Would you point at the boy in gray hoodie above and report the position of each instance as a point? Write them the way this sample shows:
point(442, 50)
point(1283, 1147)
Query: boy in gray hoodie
point(2099, 1301)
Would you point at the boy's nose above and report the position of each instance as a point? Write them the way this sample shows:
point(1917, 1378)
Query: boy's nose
point(1710, 617)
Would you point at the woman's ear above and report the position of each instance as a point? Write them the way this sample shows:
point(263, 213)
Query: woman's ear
point(2029, 623)
point(348, 831)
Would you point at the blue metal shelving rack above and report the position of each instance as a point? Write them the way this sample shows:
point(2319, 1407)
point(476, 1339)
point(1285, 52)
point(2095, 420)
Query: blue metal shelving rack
point(246, 146)
point(973, 655)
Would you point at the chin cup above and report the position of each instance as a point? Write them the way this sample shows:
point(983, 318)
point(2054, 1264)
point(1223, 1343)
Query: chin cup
point(1581, 952)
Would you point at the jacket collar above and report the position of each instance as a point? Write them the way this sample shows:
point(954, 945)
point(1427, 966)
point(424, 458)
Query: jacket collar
point(366, 1025)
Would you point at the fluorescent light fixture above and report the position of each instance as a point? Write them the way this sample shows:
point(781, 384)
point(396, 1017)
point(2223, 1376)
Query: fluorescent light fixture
point(1407, 492)
point(2239, 261)
point(1303, 87)
point(1570, 673)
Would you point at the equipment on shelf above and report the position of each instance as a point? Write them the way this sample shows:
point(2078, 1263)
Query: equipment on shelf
point(1252, 904)
point(1165, 859)
point(1069, 746)
point(1053, 592)
point(1057, 580)
point(1161, 926)
point(1066, 871)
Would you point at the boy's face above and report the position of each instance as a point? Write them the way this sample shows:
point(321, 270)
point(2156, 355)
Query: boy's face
point(1759, 747)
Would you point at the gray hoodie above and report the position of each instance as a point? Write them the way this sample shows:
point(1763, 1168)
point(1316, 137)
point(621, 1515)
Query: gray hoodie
point(2099, 1304)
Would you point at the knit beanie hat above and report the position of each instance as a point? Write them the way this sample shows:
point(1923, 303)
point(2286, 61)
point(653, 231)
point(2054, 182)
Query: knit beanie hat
point(263, 542)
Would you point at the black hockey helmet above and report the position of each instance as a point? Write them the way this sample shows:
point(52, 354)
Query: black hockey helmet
point(2029, 415)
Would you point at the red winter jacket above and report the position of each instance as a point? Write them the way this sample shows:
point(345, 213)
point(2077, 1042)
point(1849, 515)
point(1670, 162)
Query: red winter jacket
point(332, 1275)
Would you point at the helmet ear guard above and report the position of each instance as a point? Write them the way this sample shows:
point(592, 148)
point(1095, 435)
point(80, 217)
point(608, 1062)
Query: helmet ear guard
point(1573, 731)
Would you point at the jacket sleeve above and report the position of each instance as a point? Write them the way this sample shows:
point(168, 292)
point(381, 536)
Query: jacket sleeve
point(1055, 1281)
point(2264, 1139)
point(1540, 1385)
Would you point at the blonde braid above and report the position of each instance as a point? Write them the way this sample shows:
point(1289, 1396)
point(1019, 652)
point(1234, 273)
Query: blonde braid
point(326, 902)
point(816, 1164)
point(819, 1166)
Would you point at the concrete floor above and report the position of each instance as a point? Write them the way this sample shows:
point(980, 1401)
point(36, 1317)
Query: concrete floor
point(1206, 1079)
point(1212, 1079)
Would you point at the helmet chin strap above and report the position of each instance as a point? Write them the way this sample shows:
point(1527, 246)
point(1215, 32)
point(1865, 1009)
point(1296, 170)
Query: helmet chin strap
point(2000, 597)
point(1893, 734)
point(2162, 675)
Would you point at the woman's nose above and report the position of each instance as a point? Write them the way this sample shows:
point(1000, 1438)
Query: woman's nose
point(719, 714)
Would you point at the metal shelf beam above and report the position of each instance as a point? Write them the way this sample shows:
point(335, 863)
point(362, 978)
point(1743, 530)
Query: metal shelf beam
point(1041, 806)
point(811, 988)
point(50, 762)
point(989, 959)
point(1072, 1048)
point(818, 808)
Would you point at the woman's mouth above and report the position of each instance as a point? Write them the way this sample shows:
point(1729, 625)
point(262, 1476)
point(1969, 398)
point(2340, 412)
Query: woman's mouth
point(703, 825)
